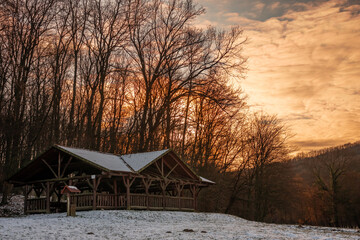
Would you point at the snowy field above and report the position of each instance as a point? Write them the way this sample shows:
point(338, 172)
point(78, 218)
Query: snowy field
point(157, 225)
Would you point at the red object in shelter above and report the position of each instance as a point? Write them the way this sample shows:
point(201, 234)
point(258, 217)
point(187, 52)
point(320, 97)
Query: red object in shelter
point(70, 189)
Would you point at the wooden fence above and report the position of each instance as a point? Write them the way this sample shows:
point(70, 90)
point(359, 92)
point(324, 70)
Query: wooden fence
point(161, 202)
point(113, 201)
point(35, 205)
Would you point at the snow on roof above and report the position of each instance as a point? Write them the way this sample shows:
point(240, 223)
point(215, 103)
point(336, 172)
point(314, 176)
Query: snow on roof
point(125, 163)
point(105, 160)
point(138, 161)
point(206, 180)
point(70, 189)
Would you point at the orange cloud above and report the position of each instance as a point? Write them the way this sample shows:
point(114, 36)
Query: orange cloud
point(304, 66)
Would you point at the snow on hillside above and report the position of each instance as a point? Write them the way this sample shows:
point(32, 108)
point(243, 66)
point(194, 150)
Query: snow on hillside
point(157, 225)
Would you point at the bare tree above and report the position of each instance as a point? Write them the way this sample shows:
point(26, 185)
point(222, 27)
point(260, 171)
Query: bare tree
point(25, 24)
point(169, 55)
point(328, 170)
point(266, 140)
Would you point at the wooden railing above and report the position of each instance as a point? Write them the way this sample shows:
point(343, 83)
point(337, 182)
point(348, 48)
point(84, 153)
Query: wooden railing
point(113, 201)
point(138, 200)
point(186, 203)
point(160, 202)
point(103, 201)
point(82, 201)
point(155, 201)
point(110, 201)
point(172, 202)
point(121, 202)
point(36, 205)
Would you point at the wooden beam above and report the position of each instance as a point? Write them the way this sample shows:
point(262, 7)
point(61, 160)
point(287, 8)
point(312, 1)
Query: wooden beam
point(66, 166)
point(162, 166)
point(58, 179)
point(59, 165)
point(38, 193)
point(183, 166)
point(50, 168)
point(171, 170)
point(158, 168)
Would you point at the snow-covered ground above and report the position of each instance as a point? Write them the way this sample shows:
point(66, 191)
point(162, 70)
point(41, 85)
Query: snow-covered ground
point(14, 208)
point(157, 225)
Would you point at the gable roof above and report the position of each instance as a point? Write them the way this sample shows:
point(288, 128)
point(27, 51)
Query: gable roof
point(138, 161)
point(130, 163)
point(134, 162)
point(106, 161)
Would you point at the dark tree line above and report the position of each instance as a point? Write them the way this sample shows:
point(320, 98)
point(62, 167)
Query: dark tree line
point(116, 76)
point(316, 188)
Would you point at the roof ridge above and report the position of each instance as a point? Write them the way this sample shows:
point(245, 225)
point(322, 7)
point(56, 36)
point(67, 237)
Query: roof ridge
point(126, 163)
point(78, 148)
point(146, 152)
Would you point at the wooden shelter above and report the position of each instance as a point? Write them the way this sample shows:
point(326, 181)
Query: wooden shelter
point(151, 180)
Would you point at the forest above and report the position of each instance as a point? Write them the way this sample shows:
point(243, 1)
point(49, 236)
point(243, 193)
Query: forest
point(126, 76)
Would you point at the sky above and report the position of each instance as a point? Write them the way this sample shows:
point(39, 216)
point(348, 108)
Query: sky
point(303, 63)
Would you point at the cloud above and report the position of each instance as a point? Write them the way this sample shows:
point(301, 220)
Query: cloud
point(304, 59)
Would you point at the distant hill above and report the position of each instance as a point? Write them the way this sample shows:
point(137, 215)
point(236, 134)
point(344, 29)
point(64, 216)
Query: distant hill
point(348, 148)
point(328, 185)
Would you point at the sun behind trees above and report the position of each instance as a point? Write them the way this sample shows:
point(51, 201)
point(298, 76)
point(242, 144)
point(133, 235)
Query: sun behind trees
point(114, 76)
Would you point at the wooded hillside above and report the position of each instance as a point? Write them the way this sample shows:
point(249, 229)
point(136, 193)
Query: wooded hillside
point(317, 188)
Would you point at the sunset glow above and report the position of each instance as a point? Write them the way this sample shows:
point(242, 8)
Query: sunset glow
point(303, 64)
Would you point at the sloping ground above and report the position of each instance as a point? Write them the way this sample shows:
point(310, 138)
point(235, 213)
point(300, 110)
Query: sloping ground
point(157, 225)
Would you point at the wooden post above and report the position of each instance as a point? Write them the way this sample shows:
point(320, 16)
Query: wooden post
point(25, 189)
point(127, 185)
point(68, 204)
point(194, 190)
point(94, 193)
point(163, 185)
point(179, 188)
point(59, 166)
point(147, 184)
point(47, 197)
point(115, 192)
